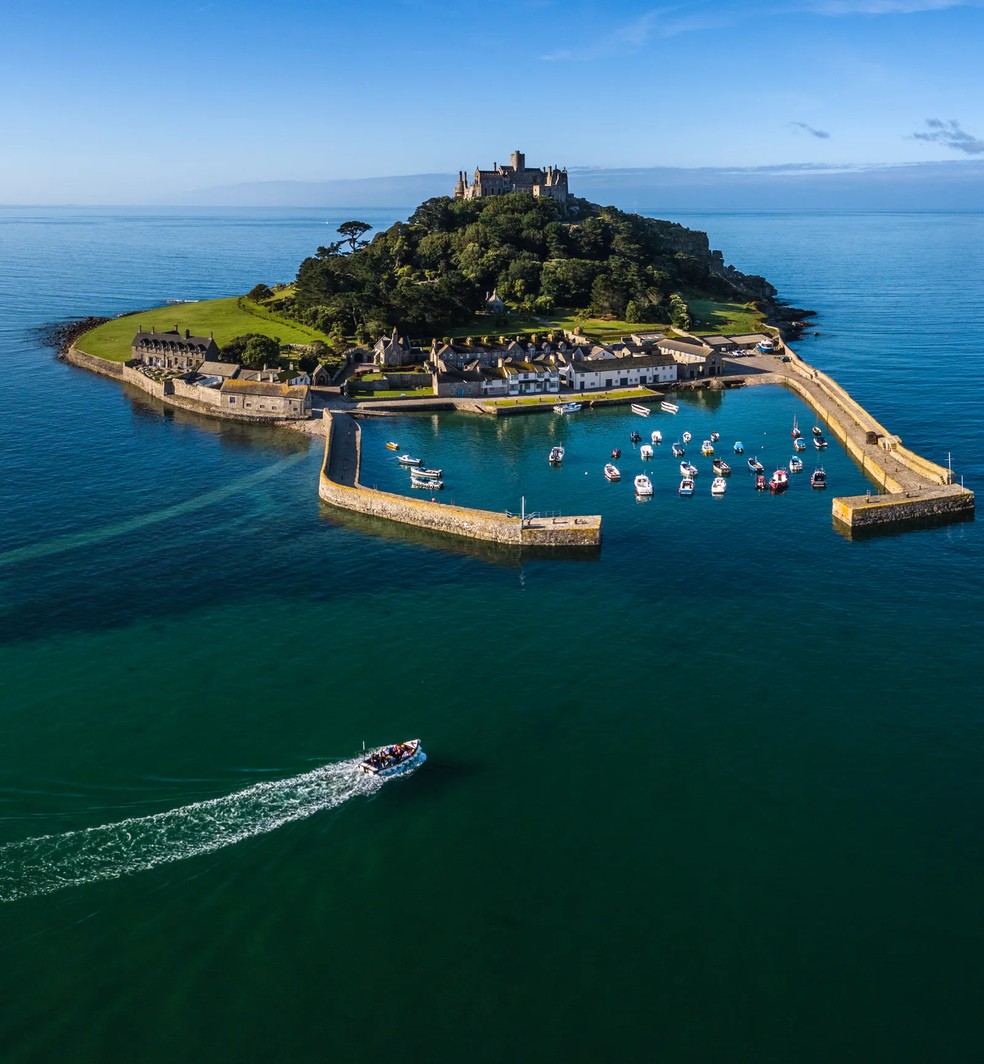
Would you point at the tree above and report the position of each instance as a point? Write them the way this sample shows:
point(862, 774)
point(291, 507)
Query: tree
point(353, 232)
point(258, 293)
point(253, 350)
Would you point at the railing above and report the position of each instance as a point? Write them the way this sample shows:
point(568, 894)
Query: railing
point(541, 514)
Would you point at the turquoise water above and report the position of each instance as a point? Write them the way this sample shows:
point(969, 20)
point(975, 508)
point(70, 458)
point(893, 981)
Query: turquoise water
point(713, 793)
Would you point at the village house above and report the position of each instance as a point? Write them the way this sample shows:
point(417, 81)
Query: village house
point(393, 351)
point(266, 400)
point(694, 360)
point(173, 351)
point(631, 372)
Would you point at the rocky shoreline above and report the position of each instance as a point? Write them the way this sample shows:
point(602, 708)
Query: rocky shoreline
point(61, 335)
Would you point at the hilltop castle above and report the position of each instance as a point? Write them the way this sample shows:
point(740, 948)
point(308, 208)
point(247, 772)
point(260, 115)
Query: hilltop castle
point(517, 177)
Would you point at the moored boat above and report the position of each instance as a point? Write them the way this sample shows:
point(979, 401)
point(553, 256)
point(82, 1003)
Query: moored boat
point(779, 481)
point(760, 484)
point(567, 408)
point(427, 474)
point(707, 448)
point(686, 437)
point(657, 437)
point(819, 442)
point(688, 470)
point(405, 459)
point(616, 453)
point(678, 450)
point(643, 486)
point(634, 436)
point(612, 473)
point(669, 408)
point(393, 446)
point(817, 431)
point(755, 465)
point(431, 483)
point(795, 465)
point(719, 486)
point(715, 436)
point(818, 478)
point(796, 432)
point(556, 455)
point(646, 451)
point(642, 411)
point(686, 486)
point(721, 467)
point(799, 444)
point(739, 447)
point(391, 760)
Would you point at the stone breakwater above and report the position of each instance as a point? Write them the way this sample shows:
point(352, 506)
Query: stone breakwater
point(339, 486)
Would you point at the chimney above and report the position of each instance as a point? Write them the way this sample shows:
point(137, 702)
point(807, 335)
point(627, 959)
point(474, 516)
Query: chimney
point(187, 334)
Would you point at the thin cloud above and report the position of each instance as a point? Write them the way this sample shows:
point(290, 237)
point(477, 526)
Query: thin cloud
point(950, 135)
point(820, 134)
point(887, 7)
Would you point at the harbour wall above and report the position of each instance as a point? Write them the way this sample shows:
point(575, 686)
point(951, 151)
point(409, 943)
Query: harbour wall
point(934, 506)
point(461, 521)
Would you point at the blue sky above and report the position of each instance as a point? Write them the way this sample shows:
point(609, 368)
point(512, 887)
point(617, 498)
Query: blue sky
point(113, 102)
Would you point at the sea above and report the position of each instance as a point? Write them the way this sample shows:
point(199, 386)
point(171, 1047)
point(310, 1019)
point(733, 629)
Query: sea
point(715, 792)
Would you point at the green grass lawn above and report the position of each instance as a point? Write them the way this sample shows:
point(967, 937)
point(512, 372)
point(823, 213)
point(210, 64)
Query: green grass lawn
point(566, 397)
point(393, 393)
point(226, 318)
point(712, 317)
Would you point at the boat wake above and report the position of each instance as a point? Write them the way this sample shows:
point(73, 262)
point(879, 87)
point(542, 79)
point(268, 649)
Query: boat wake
point(48, 863)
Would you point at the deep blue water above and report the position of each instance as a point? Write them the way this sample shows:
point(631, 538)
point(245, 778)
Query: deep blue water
point(715, 793)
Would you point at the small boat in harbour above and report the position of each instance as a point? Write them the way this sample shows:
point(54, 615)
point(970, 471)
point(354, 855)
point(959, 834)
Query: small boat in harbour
point(643, 486)
point(688, 470)
point(686, 486)
point(819, 442)
point(778, 482)
point(427, 474)
point(657, 437)
point(405, 459)
point(721, 467)
point(391, 760)
point(719, 486)
point(707, 448)
point(817, 431)
point(431, 483)
point(567, 408)
point(669, 408)
point(795, 465)
point(739, 447)
point(799, 444)
point(392, 446)
point(715, 436)
point(634, 436)
point(686, 437)
point(755, 465)
point(612, 473)
point(616, 453)
point(796, 432)
point(760, 484)
point(678, 450)
point(646, 451)
point(642, 411)
point(818, 478)
point(556, 455)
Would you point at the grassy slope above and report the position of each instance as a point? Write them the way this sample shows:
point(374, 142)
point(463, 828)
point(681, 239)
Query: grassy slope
point(226, 318)
point(709, 317)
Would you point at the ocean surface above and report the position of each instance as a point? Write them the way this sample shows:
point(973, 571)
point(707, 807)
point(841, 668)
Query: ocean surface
point(715, 793)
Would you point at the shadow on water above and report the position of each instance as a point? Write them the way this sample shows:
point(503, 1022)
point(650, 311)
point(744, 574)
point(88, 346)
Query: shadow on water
point(922, 524)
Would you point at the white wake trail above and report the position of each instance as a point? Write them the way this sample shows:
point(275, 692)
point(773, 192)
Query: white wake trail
point(48, 863)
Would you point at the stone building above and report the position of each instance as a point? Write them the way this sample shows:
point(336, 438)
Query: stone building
point(517, 177)
point(173, 351)
point(392, 351)
point(262, 400)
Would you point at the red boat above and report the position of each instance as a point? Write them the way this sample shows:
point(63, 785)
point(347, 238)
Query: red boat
point(779, 481)
point(760, 482)
point(796, 432)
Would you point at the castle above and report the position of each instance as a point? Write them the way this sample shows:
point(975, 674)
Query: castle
point(517, 177)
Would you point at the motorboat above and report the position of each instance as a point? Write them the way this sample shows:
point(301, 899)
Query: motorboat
point(760, 484)
point(818, 478)
point(755, 465)
point(643, 486)
point(393, 446)
point(612, 473)
point(796, 432)
point(669, 408)
point(405, 459)
point(715, 436)
point(688, 470)
point(556, 455)
point(795, 465)
point(392, 760)
point(634, 436)
point(799, 444)
point(616, 453)
point(427, 474)
point(657, 437)
point(719, 486)
point(642, 411)
point(430, 483)
point(721, 467)
point(817, 431)
point(678, 451)
point(707, 448)
point(567, 408)
point(645, 451)
point(767, 347)
point(819, 442)
point(686, 486)
point(686, 437)
point(779, 481)
point(739, 447)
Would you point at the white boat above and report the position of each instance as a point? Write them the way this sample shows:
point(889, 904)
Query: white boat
point(405, 459)
point(656, 437)
point(739, 447)
point(678, 451)
point(392, 760)
point(427, 474)
point(612, 473)
point(430, 483)
point(795, 465)
point(567, 408)
point(819, 442)
point(645, 451)
point(642, 411)
point(755, 465)
point(707, 448)
point(715, 436)
point(799, 443)
point(688, 470)
point(669, 408)
point(767, 347)
point(818, 478)
point(686, 437)
point(719, 486)
point(556, 455)
point(643, 486)
point(686, 486)
point(721, 467)
point(779, 481)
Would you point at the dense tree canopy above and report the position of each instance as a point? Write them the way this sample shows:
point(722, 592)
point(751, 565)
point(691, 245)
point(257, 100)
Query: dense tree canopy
point(430, 274)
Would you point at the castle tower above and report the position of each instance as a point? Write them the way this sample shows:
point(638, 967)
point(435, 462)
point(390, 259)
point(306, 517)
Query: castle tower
point(518, 160)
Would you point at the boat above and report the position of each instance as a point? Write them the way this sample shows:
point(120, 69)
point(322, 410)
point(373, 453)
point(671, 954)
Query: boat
point(678, 451)
point(645, 451)
point(656, 437)
point(795, 465)
point(556, 455)
point(819, 442)
point(760, 484)
point(393, 446)
point(405, 459)
point(686, 437)
point(686, 486)
point(431, 483)
point(715, 436)
point(612, 473)
point(818, 478)
point(688, 470)
point(779, 481)
point(391, 760)
point(643, 486)
point(799, 444)
point(707, 448)
point(670, 408)
point(817, 431)
point(634, 436)
point(767, 347)
point(642, 411)
point(739, 447)
point(616, 453)
point(796, 431)
point(427, 474)
point(721, 467)
point(719, 486)
point(567, 408)
point(755, 465)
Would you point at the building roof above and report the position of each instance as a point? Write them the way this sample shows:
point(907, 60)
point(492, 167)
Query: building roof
point(219, 369)
point(172, 336)
point(286, 391)
point(620, 365)
point(749, 338)
point(680, 347)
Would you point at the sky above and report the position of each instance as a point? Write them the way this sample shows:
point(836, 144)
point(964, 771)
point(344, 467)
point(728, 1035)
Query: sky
point(112, 102)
